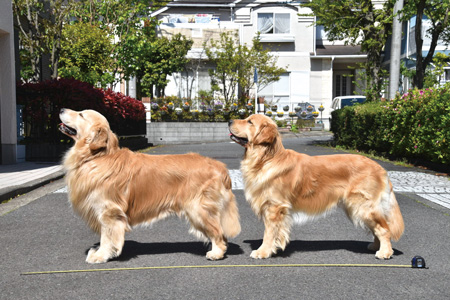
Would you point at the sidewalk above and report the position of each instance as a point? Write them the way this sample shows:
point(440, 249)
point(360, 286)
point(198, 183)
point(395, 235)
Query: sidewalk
point(21, 178)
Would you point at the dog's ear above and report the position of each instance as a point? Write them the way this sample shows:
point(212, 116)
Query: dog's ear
point(99, 139)
point(267, 134)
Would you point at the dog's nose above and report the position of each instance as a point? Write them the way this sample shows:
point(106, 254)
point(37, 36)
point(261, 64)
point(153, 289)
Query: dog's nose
point(230, 122)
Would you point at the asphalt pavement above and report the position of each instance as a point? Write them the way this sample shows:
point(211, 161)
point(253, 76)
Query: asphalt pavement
point(43, 245)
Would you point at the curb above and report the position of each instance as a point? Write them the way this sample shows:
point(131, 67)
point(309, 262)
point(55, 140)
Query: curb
point(14, 191)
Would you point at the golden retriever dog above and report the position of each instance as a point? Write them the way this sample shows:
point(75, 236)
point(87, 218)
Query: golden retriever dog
point(114, 189)
point(283, 186)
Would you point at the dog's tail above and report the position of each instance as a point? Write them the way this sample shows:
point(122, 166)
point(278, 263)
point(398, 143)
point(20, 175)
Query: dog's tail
point(392, 213)
point(229, 217)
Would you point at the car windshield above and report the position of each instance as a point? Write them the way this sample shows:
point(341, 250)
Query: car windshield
point(352, 101)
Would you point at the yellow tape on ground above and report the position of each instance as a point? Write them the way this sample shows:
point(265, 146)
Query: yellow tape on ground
point(218, 266)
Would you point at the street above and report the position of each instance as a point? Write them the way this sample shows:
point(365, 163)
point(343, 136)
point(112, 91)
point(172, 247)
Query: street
point(326, 259)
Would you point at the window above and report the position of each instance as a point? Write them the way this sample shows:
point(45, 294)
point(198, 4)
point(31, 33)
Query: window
point(273, 23)
point(277, 92)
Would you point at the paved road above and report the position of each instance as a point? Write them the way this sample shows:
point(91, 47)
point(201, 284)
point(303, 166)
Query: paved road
point(45, 236)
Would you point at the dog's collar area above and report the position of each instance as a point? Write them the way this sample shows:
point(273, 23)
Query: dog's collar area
point(239, 140)
point(67, 130)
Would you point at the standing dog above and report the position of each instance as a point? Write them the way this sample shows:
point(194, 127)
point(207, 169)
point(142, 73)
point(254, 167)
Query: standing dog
point(114, 189)
point(282, 185)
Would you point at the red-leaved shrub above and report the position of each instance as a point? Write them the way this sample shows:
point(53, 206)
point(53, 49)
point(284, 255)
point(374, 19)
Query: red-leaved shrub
point(42, 102)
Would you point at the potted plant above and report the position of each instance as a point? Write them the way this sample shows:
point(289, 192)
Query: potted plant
point(154, 106)
point(269, 113)
point(164, 110)
point(274, 107)
point(297, 108)
point(280, 114)
point(234, 107)
point(186, 106)
point(292, 114)
point(170, 106)
point(309, 108)
point(286, 107)
point(321, 108)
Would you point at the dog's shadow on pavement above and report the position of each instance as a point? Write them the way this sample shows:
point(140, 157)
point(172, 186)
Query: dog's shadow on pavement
point(133, 249)
point(317, 246)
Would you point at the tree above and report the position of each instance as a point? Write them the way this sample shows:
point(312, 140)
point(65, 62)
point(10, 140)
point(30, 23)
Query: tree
point(437, 14)
point(358, 23)
point(264, 62)
point(122, 20)
point(151, 58)
point(234, 65)
point(40, 26)
point(86, 54)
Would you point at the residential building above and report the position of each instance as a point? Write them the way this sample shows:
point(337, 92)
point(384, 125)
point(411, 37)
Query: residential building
point(317, 69)
point(409, 51)
point(8, 125)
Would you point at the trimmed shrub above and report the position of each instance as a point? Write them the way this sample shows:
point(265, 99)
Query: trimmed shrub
point(414, 126)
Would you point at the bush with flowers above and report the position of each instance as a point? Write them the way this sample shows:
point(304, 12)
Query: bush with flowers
point(42, 102)
point(414, 125)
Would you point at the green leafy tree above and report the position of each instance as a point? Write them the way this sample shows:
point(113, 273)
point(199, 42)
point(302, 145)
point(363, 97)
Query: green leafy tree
point(358, 23)
point(264, 62)
point(151, 59)
point(40, 26)
point(86, 54)
point(437, 13)
point(225, 55)
point(123, 21)
point(235, 64)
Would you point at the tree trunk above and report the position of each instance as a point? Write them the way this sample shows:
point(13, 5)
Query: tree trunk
point(420, 71)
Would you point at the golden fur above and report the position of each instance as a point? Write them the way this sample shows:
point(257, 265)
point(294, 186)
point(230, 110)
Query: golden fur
point(114, 189)
point(282, 185)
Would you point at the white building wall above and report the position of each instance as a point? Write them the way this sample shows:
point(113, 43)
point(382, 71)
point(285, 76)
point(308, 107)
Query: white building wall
point(8, 124)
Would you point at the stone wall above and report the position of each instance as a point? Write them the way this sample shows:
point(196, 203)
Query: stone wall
point(159, 133)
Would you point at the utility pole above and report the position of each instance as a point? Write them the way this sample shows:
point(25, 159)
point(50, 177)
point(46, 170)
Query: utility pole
point(394, 72)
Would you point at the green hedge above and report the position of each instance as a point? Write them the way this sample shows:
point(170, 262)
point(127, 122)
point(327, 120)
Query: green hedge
point(415, 125)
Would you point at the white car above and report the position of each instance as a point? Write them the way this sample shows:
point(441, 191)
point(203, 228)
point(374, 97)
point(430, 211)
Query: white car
point(343, 101)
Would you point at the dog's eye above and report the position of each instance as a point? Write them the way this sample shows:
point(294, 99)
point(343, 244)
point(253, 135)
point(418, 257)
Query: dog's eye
point(249, 122)
point(81, 115)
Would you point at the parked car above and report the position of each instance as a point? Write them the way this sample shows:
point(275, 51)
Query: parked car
point(343, 101)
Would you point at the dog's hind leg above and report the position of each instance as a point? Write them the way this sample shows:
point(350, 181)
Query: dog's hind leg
point(207, 221)
point(113, 224)
point(382, 237)
point(277, 222)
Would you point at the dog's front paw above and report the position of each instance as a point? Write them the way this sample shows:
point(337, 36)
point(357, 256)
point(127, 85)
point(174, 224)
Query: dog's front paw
point(261, 253)
point(384, 254)
point(96, 257)
point(214, 255)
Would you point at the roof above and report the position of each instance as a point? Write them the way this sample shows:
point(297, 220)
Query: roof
point(338, 50)
point(201, 2)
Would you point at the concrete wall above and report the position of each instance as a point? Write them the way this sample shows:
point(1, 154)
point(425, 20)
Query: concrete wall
point(160, 133)
point(8, 130)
